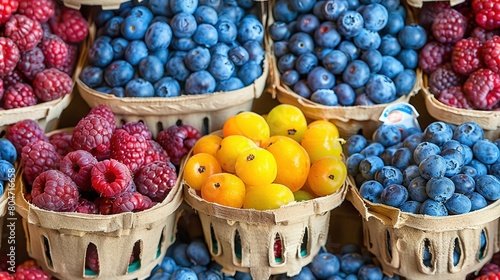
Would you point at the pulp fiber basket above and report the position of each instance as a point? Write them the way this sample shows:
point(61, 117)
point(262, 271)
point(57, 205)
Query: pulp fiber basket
point(349, 120)
point(243, 239)
point(105, 4)
point(401, 240)
point(419, 3)
point(58, 241)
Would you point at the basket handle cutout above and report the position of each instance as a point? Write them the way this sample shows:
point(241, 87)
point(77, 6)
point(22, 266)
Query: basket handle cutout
point(215, 243)
point(457, 252)
point(237, 251)
point(427, 256)
point(483, 244)
point(46, 248)
point(277, 249)
point(136, 257)
point(91, 261)
point(388, 246)
point(304, 245)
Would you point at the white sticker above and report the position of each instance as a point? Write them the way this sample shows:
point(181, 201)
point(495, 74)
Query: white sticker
point(401, 113)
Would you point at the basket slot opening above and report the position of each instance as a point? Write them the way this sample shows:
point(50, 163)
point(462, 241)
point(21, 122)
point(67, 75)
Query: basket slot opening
point(159, 126)
point(178, 122)
point(304, 245)
point(205, 129)
point(483, 245)
point(278, 249)
point(2, 133)
point(135, 257)
point(160, 244)
point(48, 255)
point(91, 261)
point(237, 245)
point(215, 244)
point(457, 252)
point(427, 254)
point(388, 244)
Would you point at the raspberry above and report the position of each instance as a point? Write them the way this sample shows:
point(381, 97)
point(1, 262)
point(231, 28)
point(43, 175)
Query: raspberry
point(482, 88)
point(55, 50)
point(104, 205)
point(156, 179)
point(31, 63)
point(482, 35)
point(110, 178)
point(13, 78)
point(155, 152)
point(128, 149)
point(128, 202)
point(55, 191)
point(18, 96)
point(7, 8)
point(138, 128)
point(24, 132)
point(278, 248)
point(105, 112)
point(78, 165)
point(69, 64)
point(454, 97)
point(177, 141)
point(487, 15)
point(51, 84)
point(70, 25)
point(491, 52)
point(24, 31)
point(37, 157)
point(39, 10)
point(429, 11)
point(444, 77)
point(62, 142)
point(449, 26)
point(9, 56)
point(434, 54)
point(490, 276)
point(92, 258)
point(4, 275)
point(86, 206)
point(466, 56)
point(92, 134)
point(489, 268)
point(29, 272)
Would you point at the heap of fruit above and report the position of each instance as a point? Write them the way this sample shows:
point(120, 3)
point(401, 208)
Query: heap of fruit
point(170, 48)
point(265, 162)
point(38, 51)
point(99, 167)
point(345, 53)
point(444, 170)
point(462, 58)
point(8, 158)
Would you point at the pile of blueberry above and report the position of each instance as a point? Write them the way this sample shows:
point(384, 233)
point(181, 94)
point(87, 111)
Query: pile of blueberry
point(8, 157)
point(346, 52)
point(443, 170)
point(163, 48)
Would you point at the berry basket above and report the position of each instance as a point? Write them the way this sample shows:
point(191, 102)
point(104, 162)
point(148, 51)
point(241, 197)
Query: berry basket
point(399, 240)
point(243, 239)
point(349, 120)
point(106, 4)
point(419, 3)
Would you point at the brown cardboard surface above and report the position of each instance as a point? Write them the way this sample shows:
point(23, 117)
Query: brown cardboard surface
point(105, 4)
point(419, 3)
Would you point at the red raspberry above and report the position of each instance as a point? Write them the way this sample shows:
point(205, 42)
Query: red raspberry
point(466, 56)
point(444, 77)
point(13, 78)
point(85, 206)
point(9, 56)
point(31, 63)
point(62, 142)
point(30, 272)
point(487, 13)
point(489, 268)
point(4, 275)
point(128, 202)
point(70, 63)
point(454, 97)
point(138, 128)
point(51, 84)
point(177, 140)
point(434, 54)
point(110, 178)
point(469, 14)
point(55, 191)
point(156, 179)
point(489, 276)
point(24, 31)
point(24, 132)
point(7, 8)
point(278, 251)
point(92, 134)
point(18, 96)
point(105, 112)
point(78, 165)
point(429, 11)
point(482, 35)
point(55, 50)
point(155, 152)
point(104, 205)
point(37, 157)
point(449, 26)
point(92, 258)
point(128, 149)
point(70, 25)
point(482, 88)
point(491, 52)
point(39, 10)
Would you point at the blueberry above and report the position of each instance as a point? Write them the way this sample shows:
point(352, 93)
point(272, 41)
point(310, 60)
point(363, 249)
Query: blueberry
point(134, 27)
point(168, 265)
point(375, 16)
point(402, 158)
point(304, 274)
point(433, 208)
point(481, 168)
point(391, 67)
point(112, 26)
point(118, 73)
point(242, 276)
point(417, 189)
point(307, 23)
point(335, 61)
point(355, 143)
point(409, 58)
point(7, 150)
point(424, 150)
point(302, 89)
point(325, 97)
point(183, 6)
point(458, 204)
point(300, 43)
point(486, 151)
point(177, 69)
point(394, 195)
point(183, 44)
point(356, 74)
point(440, 189)
point(139, 87)
point(477, 201)
point(6, 170)
point(150, 68)
point(332, 9)
point(160, 275)
point(363, 100)
point(286, 62)
point(320, 78)
point(167, 87)
point(347, 248)
point(468, 133)
point(158, 36)
point(411, 206)
point(200, 82)
point(412, 141)
point(282, 11)
point(389, 175)
point(488, 186)
point(454, 161)
point(351, 262)
point(102, 16)
point(370, 272)
point(290, 77)
point(388, 154)
point(464, 184)
point(220, 48)
point(206, 14)
point(321, 52)
point(249, 72)
point(255, 51)
point(162, 55)
point(302, 6)
point(250, 28)
point(179, 254)
point(100, 54)
point(184, 273)
point(380, 89)
point(389, 45)
point(438, 133)
point(198, 253)
point(350, 23)
point(345, 94)
point(367, 39)
point(206, 35)
point(230, 84)
point(135, 51)
point(409, 173)
point(369, 166)
point(117, 91)
point(404, 82)
point(324, 265)
point(231, 12)
point(326, 34)
point(373, 149)
point(183, 25)
point(373, 58)
point(305, 63)
point(160, 7)
point(387, 135)
point(493, 170)
point(221, 67)
point(92, 76)
point(119, 45)
point(350, 49)
point(390, 5)
point(412, 36)
point(198, 59)
point(467, 153)
point(432, 167)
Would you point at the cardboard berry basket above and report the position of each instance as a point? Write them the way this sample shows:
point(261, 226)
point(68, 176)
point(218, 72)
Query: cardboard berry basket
point(58, 241)
point(349, 120)
point(104, 4)
point(419, 3)
point(243, 239)
point(399, 240)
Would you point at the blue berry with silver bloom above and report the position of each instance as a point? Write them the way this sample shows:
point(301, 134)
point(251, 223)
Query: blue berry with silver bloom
point(464, 183)
point(355, 144)
point(409, 173)
point(477, 201)
point(394, 195)
point(369, 166)
point(387, 135)
point(433, 208)
point(486, 151)
point(468, 133)
point(425, 150)
point(440, 188)
point(488, 186)
point(373, 149)
point(432, 167)
point(438, 133)
point(458, 204)
point(411, 206)
point(417, 189)
point(402, 158)
point(389, 175)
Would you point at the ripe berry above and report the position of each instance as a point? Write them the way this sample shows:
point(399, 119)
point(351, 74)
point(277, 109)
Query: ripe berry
point(86, 206)
point(51, 84)
point(30, 271)
point(78, 165)
point(444, 77)
point(128, 202)
point(55, 191)
point(24, 132)
point(155, 152)
point(39, 10)
point(156, 179)
point(434, 54)
point(454, 97)
point(62, 142)
point(18, 96)
point(55, 50)
point(70, 25)
point(466, 57)
point(487, 15)
point(105, 112)
point(178, 140)
point(110, 178)
point(138, 128)
point(8, 8)
point(482, 88)
point(9, 56)
point(128, 149)
point(24, 31)
point(31, 63)
point(449, 26)
point(490, 53)
point(37, 157)
point(92, 134)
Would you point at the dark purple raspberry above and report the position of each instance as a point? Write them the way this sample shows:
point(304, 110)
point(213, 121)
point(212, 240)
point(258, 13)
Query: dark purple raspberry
point(128, 149)
point(31, 63)
point(155, 152)
point(454, 97)
point(138, 128)
point(24, 132)
point(177, 140)
point(449, 26)
point(466, 57)
point(487, 13)
point(444, 77)
point(55, 50)
point(92, 134)
point(156, 180)
point(85, 206)
point(491, 54)
point(24, 31)
point(104, 205)
point(128, 202)
point(55, 191)
point(110, 178)
point(105, 112)
point(482, 89)
point(9, 56)
point(482, 35)
point(13, 78)
point(434, 54)
point(18, 96)
point(429, 11)
point(78, 165)
point(62, 142)
point(70, 63)
point(37, 157)
point(51, 84)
